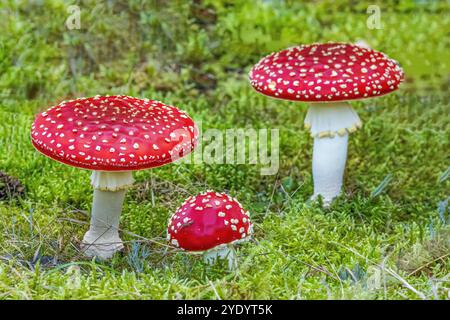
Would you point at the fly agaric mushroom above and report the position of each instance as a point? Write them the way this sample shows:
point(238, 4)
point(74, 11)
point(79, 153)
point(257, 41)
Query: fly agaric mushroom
point(327, 76)
point(113, 136)
point(210, 223)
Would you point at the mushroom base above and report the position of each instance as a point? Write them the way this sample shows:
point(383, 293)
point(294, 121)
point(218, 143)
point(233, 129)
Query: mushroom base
point(103, 247)
point(329, 157)
point(223, 253)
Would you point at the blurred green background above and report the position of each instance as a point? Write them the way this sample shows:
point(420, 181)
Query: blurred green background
point(144, 46)
point(392, 223)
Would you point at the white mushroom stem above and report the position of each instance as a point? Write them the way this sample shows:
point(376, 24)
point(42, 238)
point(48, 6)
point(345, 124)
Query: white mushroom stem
point(102, 239)
point(330, 125)
point(224, 253)
point(328, 166)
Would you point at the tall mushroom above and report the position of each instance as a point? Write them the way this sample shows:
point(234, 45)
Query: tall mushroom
point(112, 136)
point(327, 76)
point(210, 223)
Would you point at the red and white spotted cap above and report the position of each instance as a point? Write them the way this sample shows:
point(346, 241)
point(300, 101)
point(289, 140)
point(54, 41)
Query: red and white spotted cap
point(208, 220)
point(114, 133)
point(326, 72)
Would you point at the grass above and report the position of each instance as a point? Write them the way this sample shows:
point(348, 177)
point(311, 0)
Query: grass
point(387, 238)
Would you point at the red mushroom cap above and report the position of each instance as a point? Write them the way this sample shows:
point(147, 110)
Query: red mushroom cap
point(208, 220)
point(114, 133)
point(326, 72)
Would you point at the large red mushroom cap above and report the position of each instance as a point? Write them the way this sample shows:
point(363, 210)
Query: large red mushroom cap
point(326, 72)
point(114, 133)
point(208, 220)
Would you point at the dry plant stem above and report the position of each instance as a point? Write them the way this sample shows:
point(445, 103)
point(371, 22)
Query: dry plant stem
point(102, 239)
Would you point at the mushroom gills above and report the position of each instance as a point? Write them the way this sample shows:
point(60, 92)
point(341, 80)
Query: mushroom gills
point(102, 239)
point(331, 119)
point(226, 252)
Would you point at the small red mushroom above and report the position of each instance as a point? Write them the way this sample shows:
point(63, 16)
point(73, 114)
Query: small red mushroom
point(327, 76)
point(113, 136)
point(210, 223)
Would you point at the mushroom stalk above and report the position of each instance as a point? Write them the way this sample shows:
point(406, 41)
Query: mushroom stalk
point(330, 125)
point(328, 166)
point(224, 253)
point(102, 239)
